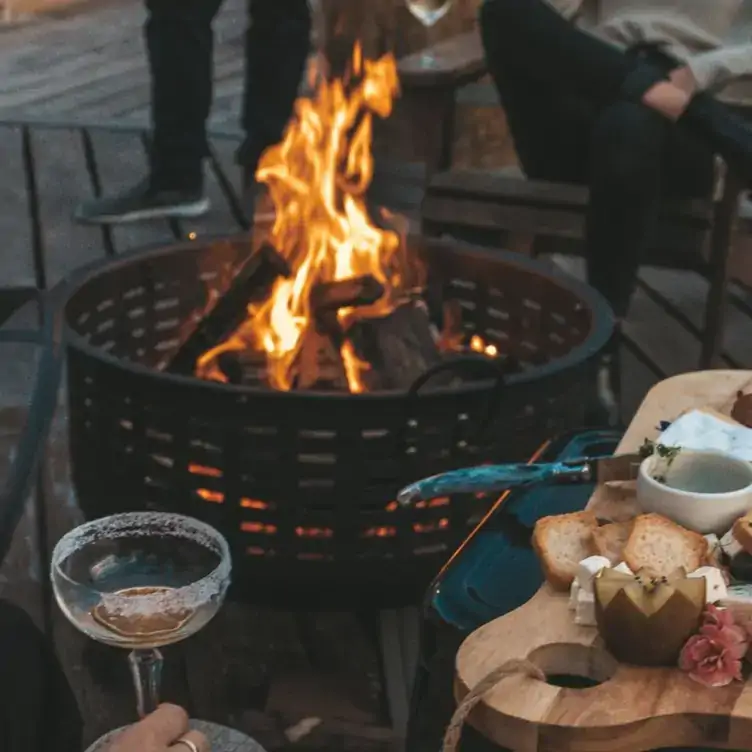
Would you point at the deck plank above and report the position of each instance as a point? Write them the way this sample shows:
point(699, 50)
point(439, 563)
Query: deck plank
point(60, 162)
point(121, 160)
point(21, 574)
point(95, 59)
point(15, 250)
point(669, 346)
point(688, 292)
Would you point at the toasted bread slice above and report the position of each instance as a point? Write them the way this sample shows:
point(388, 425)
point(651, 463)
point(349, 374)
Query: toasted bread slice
point(742, 531)
point(562, 542)
point(660, 546)
point(609, 540)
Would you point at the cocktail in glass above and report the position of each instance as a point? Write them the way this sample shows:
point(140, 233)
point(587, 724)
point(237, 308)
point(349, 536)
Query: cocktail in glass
point(141, 580)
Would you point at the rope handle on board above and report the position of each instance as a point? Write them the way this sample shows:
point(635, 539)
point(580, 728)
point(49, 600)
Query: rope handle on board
point(474, 696)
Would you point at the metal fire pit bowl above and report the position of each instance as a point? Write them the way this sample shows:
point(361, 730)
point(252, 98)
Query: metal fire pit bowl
point(303, 483)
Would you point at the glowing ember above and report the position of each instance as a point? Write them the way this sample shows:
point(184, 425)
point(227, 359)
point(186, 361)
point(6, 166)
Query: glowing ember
point(478, 345)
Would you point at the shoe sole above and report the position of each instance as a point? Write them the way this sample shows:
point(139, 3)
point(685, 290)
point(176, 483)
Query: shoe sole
point(184, 211)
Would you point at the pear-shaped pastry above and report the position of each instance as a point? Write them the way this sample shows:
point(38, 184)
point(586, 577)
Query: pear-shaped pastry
point(645, 620)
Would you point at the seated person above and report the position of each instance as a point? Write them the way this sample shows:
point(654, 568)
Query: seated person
point(624, 108)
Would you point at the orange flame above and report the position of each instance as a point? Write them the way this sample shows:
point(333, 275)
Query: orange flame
point(317, 179)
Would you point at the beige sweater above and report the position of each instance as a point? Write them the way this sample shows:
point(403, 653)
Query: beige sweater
point(693, 30)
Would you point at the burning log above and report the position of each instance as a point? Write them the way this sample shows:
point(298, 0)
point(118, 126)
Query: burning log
point(452, 334)
point(243, 367)
point(252, 283)
point(319, 364)
point(399, 347)
point(345, 293)
point(327, 298)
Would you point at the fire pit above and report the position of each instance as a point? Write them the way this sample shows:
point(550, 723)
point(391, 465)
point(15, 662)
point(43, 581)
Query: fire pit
point(303, 483)
point(284, 396)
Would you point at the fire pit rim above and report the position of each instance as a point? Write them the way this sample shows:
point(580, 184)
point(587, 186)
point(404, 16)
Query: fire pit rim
point(601, 326)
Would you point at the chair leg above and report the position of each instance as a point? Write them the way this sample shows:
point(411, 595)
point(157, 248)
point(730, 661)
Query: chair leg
point(398, 645)
point(432, 113)
point(720, 251)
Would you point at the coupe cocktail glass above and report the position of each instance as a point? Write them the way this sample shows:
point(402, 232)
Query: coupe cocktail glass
point(141, 580)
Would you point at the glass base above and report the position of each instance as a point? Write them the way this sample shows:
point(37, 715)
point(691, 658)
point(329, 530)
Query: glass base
point(222, 739)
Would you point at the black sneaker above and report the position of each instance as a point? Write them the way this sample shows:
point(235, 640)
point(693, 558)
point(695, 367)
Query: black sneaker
point(140, 203)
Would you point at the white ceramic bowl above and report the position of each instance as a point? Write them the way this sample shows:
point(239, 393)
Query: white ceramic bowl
point(702, 491)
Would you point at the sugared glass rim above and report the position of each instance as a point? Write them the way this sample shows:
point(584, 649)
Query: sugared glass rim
point(187, 596)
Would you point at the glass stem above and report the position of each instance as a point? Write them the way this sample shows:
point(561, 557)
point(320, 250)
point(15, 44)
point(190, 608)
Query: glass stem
point(428, 59)
point(146, 668)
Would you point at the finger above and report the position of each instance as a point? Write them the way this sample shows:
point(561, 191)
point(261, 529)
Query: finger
point(158, 730)
point(199, 740)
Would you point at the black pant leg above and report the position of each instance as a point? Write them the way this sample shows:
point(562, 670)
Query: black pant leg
point(549, 116)
point(552, 51)
point(638, 159)
point(179, 41)
point(625, 193)
point(277, 48)
point(38, 712)
point(551, 129)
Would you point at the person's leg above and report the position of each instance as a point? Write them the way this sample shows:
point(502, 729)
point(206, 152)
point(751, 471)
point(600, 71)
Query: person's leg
point(550, 127)
point(179, 42)
point(637, 160)
point(38, 712)
point(625, 193)
point(532, 36)
point(277, 48)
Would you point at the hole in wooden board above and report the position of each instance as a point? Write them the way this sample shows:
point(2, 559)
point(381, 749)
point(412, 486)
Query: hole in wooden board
point(574, 666)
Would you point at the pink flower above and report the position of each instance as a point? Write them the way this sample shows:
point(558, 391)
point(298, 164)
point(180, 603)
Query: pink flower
point(720, 617)
point(714, 655)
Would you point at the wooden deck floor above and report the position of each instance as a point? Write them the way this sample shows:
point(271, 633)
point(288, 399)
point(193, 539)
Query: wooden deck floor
point(89, 63)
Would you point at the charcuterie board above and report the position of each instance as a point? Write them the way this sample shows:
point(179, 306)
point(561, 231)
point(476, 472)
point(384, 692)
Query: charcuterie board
point(627, 708)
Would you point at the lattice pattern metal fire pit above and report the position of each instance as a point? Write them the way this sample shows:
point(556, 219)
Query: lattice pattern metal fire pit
point(303, 482)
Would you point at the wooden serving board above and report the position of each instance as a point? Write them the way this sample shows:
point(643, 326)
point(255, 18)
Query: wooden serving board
point(633, 708)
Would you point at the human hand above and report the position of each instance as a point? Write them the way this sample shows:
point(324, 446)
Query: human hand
point(684, 79)
point(667, 98)
point(165, 730)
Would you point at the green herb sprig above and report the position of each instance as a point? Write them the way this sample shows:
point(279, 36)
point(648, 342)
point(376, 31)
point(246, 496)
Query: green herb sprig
point(667, 453)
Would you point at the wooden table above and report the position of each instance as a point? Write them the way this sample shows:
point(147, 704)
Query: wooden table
point(633, 708)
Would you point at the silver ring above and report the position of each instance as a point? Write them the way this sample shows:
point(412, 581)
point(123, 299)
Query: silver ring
point(188, 743)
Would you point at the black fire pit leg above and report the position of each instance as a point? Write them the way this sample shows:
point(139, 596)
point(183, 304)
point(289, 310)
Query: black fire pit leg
point(305, 626)
point(398, 654)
